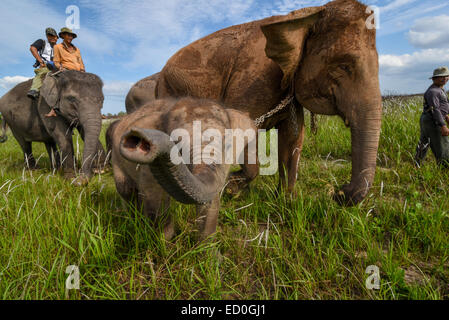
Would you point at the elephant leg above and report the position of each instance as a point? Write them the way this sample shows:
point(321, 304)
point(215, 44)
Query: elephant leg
point(101, 160)
point(208, 218)
point(30, 161)
point(126, 187)
point(53, 153)
point(61, 133)
point(156, 206)
point(155, 203)
point(63, 138)
point(291, 138)
point(239, 180)
point(27, 149)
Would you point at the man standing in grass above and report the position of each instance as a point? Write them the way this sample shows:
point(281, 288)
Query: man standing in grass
point(434, 119)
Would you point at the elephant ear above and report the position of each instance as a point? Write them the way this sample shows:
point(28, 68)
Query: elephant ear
point(49, 90)
point(286, 38)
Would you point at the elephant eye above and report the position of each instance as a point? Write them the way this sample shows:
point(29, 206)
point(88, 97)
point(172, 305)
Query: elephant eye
point(71, 99)
point(340, 70)
point(346, 68)
point(336, 73)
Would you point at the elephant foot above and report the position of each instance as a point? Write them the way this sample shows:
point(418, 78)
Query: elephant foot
point(69, 175)
point(206, 237)
point(81, 181)
point(33, 167)
point(98, 170)
point(349, 196)
point(236, 183)
point(101, 170)
point(169, 230)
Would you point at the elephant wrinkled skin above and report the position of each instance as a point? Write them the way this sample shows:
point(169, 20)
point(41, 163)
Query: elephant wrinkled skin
point(326, 56)
point(142, 166)
point(79, 99)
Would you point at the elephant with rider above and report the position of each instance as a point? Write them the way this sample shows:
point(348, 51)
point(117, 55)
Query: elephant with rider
point(78, 99)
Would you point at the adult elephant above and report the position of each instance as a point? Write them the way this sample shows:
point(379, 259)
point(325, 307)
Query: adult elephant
point(325, 57)
point(141, 93)
point(79, 99)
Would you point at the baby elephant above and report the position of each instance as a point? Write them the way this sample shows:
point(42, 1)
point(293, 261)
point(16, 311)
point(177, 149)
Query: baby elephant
point(183, 149)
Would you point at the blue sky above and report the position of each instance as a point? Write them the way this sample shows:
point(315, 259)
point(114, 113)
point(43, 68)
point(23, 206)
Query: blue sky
point(124, 41)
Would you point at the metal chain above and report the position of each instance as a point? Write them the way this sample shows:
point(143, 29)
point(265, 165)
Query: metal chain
point(259, 121)
point(293, 120)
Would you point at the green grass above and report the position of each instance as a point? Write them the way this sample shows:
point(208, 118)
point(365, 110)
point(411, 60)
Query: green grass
point(279, 247)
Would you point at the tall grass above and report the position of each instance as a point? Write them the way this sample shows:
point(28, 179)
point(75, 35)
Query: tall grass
point(268, 245)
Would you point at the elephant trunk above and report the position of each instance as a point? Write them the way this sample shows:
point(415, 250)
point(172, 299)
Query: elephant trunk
point(365, 131)
point(153, 147)
point(92, 128)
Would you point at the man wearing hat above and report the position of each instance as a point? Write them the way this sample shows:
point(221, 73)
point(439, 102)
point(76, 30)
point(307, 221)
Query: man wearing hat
point(434, 119)
point(43, 52)
point(67, 56)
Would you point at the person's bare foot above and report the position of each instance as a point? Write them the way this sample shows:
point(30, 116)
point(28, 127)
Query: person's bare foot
point(52, 113)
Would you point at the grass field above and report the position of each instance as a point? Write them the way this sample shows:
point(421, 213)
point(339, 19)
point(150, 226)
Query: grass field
point(267, 246)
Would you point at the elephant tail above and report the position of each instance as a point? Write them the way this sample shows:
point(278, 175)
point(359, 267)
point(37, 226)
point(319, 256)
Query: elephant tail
point(3, 137)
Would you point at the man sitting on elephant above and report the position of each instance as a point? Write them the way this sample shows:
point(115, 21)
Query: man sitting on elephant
point(43, 52)
point(67, 57)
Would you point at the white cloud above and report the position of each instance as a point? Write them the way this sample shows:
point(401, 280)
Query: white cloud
point(409, 73)
point(430, 32)
point(117, 88)
point(396, 4)
point(151, 31)
point(417, 61)
point(8, 82)
point(398, 18)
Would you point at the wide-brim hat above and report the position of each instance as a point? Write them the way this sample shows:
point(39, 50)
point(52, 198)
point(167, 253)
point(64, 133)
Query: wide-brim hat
point(67, 30)
point(440, 72)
